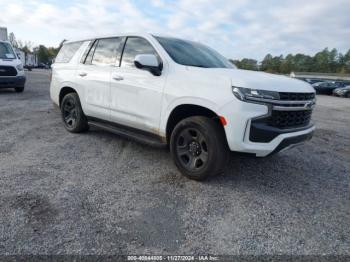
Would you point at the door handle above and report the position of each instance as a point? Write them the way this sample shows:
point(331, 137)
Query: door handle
point(82, 74)
point(118, 78)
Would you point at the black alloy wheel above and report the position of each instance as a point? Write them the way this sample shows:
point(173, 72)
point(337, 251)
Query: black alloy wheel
point(69, 112)
point(192, 149)
point(198, 147)
point(72, 114)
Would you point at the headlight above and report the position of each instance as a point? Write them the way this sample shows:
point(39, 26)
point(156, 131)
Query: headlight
point(249, 94)
point(20, 67)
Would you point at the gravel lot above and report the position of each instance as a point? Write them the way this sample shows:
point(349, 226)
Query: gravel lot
point(96, 193)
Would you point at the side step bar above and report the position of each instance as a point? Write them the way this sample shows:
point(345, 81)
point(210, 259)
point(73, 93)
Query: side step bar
point(130, 133)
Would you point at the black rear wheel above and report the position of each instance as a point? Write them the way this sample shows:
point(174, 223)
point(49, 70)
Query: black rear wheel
point(198, 147)
point(19, 89)
point(72, 114)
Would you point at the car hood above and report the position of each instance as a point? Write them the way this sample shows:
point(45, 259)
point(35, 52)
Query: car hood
point(258, 80)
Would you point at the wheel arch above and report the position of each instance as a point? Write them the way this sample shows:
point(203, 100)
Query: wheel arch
point(64, 91)
point(186, 110)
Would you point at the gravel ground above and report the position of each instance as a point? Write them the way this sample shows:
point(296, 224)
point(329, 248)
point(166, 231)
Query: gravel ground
point(96, 193)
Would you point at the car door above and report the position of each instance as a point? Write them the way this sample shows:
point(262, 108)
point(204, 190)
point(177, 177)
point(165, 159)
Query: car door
point(94, 75)
point(136, 94)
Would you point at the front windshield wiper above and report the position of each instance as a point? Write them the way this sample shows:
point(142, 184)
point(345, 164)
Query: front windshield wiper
point(202, 66)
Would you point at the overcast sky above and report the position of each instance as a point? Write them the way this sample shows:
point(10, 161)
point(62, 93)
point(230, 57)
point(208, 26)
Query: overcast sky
point(236, 28)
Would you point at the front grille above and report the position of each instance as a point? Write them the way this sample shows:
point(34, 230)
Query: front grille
point(296, 96)
point(289, 119)
point(8, 71)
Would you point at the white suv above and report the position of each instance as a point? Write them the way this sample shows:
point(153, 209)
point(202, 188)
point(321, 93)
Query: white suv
point(167, 91)
point(11, 68)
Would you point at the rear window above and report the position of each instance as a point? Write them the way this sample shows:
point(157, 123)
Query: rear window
point(67, 52)
point(6, 51)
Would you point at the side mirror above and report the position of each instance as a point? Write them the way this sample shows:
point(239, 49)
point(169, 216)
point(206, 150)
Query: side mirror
point(150, 63)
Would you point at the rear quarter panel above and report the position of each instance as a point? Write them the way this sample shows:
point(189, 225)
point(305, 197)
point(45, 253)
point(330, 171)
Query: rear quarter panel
point(64, 75)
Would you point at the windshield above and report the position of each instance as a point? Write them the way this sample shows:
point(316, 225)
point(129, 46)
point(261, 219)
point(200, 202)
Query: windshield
point(190, 53)
point(6, 51)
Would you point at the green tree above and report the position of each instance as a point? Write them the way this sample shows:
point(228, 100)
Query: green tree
point(43, 54)
point(321, 61)
point(266, 63)
point(287, 65)
point(346, 63)
point(248, 64)
point(12, 40)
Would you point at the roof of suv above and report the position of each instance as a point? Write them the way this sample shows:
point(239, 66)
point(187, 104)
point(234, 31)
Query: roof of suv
point(109, 35)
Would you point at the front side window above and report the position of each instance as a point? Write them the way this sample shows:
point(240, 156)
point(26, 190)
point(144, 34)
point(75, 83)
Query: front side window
point(67, 52)
point(193, 54)
point(107, 51)
point(6, 51)
point(136, 46)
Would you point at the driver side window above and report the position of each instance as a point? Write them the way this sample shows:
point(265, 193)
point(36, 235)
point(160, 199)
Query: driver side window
point(135, 46)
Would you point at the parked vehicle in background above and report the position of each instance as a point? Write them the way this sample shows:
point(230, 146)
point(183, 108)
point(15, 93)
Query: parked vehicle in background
point(43, 66)
point(343, 92)
point(11, 68)
point(327, 87)
point(29, 60)
point(167, 91)
point(312, 81)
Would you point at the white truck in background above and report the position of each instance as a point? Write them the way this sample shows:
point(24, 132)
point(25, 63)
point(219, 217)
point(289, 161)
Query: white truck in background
point(29, 60)
point(3, 34)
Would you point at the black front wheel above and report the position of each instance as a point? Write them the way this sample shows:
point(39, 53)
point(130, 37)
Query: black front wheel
point(198, 147)
point(72, 114)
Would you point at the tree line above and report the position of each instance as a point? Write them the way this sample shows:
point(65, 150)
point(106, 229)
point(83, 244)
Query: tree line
point(322, 62)
point(325, 61)
point(45, 54)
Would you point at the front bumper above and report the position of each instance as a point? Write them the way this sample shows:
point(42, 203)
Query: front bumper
point(13, 81)
point(292, 141)
point(240, 117)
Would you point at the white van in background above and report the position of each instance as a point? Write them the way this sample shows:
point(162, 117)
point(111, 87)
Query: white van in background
point(11, 68)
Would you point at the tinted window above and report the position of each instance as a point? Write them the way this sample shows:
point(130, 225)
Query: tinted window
point(136, 46)
point(67, 52)
point(106, 52)
point(193, 54)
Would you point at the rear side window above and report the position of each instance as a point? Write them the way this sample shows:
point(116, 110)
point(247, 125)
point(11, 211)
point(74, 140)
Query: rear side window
point(67, 52)
point(136, 46)
point(83, 58)
point(107, 51)
point(88, 59)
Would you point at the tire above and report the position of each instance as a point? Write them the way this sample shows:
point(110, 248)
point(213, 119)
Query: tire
point(347, 95)
point(198, 147)
point(72, 114)
point(19, 89)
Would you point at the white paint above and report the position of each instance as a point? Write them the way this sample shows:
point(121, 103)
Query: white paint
point(138, 99)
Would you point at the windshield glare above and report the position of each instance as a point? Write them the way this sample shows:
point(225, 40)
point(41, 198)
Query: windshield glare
point(190, 53)
point(6, 51)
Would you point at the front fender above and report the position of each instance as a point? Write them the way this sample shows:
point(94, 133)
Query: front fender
point(168, 109)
